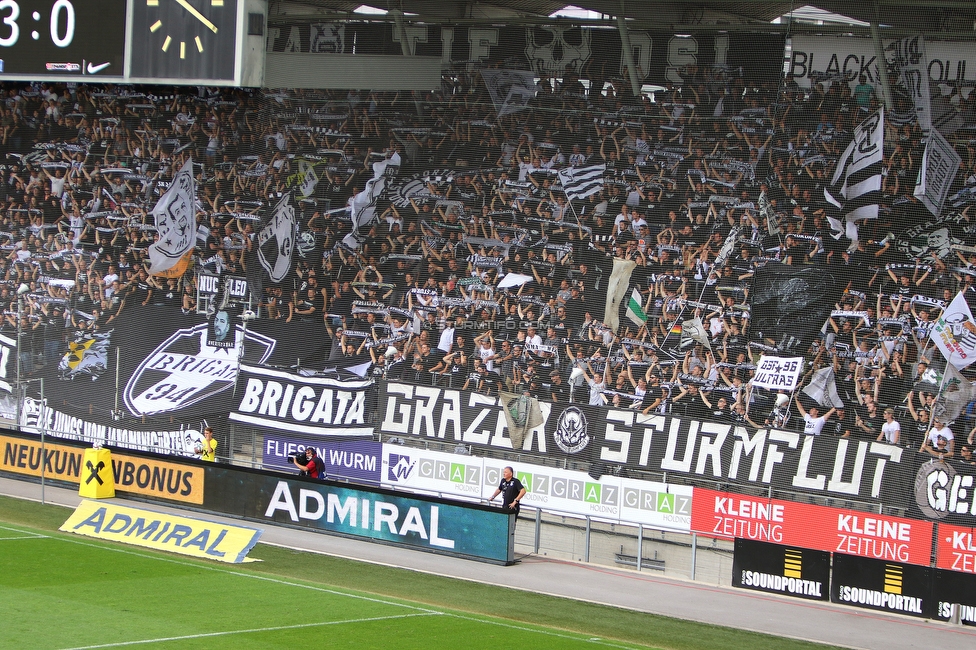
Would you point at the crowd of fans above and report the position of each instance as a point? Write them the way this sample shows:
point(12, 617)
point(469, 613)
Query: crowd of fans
point(474, 199)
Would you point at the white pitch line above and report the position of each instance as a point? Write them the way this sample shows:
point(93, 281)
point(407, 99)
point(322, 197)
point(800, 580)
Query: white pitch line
point(424, 610)
point(276, 628)
point(25, 534)
point(201, 565)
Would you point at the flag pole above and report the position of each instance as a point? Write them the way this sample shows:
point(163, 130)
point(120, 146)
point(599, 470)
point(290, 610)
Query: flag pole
point(715, 267)
point(938, 395)
point(579, 223)
point(929, 340)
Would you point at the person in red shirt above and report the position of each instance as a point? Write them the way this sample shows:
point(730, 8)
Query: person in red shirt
point(311, 465)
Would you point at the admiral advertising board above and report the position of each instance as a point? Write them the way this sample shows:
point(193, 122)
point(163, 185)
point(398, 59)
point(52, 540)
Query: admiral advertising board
point(141, 475)
point(857, 469)
point(797, 572)
point(852, 532)
point(883, 586)
point(417, 521)
point(608, 498)
point(162, 532)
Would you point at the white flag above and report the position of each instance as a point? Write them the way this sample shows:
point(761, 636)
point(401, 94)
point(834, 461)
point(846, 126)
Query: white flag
point(363, 209)
point(957, 392)
point(616, 290)
point(856, 185)
point(855, 189)
point(307, 179)
point(175, 218)
point(940, 163)
point(823, 388)
point(955, 333)
point(907, 56)
point(276, 241)
point(509, 90)
point(580, 182)
point(692, 332)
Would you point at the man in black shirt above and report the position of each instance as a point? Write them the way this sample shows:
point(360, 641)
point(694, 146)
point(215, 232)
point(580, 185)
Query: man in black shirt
point(869, 421)
point(511, 490)
point(842, 425)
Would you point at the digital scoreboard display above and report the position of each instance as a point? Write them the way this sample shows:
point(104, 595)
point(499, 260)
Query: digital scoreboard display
point(166, 41)
point(62, 38)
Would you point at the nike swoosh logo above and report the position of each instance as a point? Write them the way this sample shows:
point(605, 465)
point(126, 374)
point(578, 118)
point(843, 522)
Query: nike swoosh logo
point(92, 69)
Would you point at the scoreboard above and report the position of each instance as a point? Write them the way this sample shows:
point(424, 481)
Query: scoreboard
point(193, 42)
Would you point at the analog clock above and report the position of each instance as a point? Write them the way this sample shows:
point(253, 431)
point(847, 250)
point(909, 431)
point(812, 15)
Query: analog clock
point(184, 39)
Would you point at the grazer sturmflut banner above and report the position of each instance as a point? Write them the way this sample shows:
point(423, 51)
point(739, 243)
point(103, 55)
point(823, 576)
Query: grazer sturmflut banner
point(857, 469)
point(944, 491)
point(287, 401)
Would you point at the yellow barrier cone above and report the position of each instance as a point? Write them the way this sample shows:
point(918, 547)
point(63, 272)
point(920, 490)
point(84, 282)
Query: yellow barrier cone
point(97, 476)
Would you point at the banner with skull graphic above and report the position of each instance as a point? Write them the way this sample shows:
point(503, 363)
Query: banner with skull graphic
point(553, 50)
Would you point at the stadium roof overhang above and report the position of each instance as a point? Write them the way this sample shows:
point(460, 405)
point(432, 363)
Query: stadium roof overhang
point(955, 18)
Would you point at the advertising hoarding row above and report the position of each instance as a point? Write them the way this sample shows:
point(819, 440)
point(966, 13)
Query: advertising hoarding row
point(869, 583)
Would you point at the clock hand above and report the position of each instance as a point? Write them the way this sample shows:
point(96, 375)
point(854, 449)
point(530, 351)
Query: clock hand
point(196, 14)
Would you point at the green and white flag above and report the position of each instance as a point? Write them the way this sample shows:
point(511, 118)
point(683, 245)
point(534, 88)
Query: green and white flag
point(635, 308)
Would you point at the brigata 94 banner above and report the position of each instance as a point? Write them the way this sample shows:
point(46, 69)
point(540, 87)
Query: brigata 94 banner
point(853, 532)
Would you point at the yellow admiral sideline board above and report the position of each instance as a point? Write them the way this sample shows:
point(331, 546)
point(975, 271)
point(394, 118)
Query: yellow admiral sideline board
point(162, 532)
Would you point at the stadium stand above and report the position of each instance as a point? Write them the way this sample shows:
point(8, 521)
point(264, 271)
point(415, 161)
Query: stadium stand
point(496, 238)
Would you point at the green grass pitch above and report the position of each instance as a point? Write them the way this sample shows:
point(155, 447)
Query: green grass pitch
point(64, 591)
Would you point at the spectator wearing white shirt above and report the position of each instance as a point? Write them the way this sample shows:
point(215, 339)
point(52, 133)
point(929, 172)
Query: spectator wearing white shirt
point(890, 430)
point(813, 423)
point(939, 430)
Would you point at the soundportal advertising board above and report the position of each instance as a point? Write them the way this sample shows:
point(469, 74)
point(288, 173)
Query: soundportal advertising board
point(790, 571)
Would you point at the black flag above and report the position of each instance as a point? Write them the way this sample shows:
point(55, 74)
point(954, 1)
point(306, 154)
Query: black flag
point(790, 304)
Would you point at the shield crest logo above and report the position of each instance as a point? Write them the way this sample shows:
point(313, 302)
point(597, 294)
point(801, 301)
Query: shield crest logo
point(87, 355)
point(183, 370)
point(175, 219)
point(173, 222)
point(276, 241)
